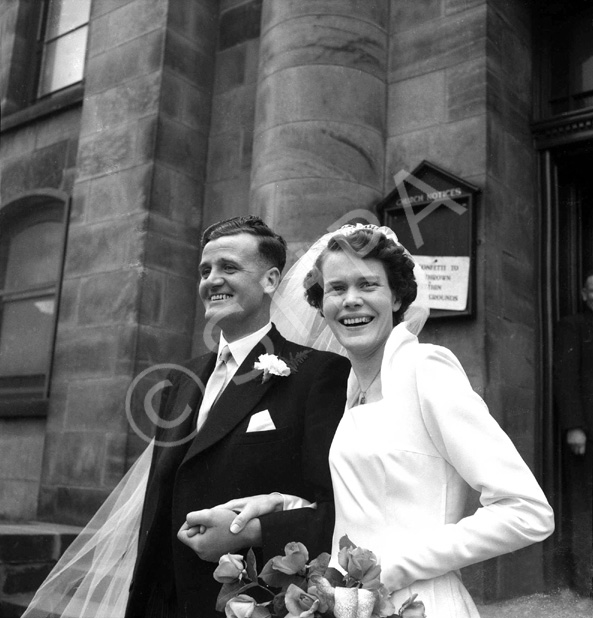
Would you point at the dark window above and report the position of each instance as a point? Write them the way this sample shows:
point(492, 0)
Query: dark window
point(32, 235)
point(570, 58)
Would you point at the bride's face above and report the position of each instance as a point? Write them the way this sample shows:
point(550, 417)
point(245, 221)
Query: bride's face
point(358, 303)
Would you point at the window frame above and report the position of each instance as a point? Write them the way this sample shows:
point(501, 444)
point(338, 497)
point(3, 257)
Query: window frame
point(34, 208)
point(42, 41)
point(23, 102)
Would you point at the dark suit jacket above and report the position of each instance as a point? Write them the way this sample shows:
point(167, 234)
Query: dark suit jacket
point(225, 461)
point(573, 372)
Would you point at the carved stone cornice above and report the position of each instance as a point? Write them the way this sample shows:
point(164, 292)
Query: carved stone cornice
point(564, 129)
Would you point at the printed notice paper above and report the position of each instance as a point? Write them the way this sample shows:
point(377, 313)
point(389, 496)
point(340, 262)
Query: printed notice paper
point(448, 280)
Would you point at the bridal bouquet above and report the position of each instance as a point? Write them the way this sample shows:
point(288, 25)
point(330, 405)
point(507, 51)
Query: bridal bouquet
point(291, 586)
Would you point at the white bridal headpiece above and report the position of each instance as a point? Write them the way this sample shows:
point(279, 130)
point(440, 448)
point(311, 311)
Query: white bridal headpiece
point(300, 322)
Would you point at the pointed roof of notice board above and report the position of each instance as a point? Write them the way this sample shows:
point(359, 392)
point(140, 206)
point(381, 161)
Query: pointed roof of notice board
point(425, 178)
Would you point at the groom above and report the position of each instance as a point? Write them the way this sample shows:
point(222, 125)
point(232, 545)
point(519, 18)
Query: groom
point(247, 432)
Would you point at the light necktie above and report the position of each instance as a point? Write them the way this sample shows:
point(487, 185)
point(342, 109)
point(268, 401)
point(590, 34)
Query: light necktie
point(214, 386)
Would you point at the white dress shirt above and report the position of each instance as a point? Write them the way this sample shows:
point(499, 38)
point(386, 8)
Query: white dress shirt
point(239, 350)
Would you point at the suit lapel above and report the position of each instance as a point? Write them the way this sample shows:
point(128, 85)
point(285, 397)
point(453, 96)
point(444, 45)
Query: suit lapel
point(239, 397)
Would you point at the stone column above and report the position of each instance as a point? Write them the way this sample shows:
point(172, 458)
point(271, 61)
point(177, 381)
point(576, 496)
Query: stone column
point(320, 113)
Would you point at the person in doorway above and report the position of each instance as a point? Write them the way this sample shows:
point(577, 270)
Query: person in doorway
point(573, 391)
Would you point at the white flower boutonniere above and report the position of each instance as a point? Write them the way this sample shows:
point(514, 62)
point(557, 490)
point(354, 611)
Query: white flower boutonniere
point(271, 365)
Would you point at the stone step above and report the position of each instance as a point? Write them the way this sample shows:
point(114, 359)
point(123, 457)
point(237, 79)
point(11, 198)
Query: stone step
point(15, 605)
point(28, 552)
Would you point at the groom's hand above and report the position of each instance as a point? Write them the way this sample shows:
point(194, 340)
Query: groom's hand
point(208, 533)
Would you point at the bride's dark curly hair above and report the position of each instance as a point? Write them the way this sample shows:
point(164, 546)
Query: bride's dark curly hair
point(368, 244)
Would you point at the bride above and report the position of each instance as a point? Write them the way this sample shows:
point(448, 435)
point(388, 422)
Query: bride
point(414, 437)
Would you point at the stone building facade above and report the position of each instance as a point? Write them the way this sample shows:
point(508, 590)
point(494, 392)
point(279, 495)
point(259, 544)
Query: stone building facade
point(300, 111)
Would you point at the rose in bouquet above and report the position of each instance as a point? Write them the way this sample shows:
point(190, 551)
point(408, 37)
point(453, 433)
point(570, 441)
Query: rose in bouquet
point(291, 586)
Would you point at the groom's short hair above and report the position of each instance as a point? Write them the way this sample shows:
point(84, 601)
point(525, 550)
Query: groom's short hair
point(272, 247)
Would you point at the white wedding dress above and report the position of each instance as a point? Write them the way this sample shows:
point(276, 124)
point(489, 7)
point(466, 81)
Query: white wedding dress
point(402, 469)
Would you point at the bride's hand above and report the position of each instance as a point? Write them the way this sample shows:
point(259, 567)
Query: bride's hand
point(251, 508)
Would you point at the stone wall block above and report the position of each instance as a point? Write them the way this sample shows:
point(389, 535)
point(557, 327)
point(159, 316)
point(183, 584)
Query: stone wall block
point(252, 61)
point(126, 360)
point(104, 246)
point(107, 152)
point(152, 297)
point(146, 139)
point(467, 89)
point(459, 6)
point(119, 194)
point(97, 405)
point(74, 458)
point(179, 304)
point(233, 110)
point(115, 458)
point(78, 201)
point(184, 102)
point(85, 353)
point(101, 7)
point(196, 20)
point(424, 49)
point(409, 15)
point(141, 56)
point(123, 104)
point(319, 150)
point(17, 143)
point(108, 298)
point(18, 499)
point(153, 348)
point(8, 33)
point(98, 34)
point(416, 103)
point(69, 504)
point(320, 93)
point(224, 155)
point(518, 301)
point(225, 199)
point(56, 418)
point(40, 169)
point(57, 127)
point(509, 54)
point(165, 226)
point(520, 158)
point(182, 148)
point(497, 163)
point(169, 254)
point(458, 146)
point(196, 105)
point(187, 61)
point(276, 12)
point(325, 39)
point(230, 68)
point(21, 448)
point(293, 205)
point(177, 197)
point(69, 302)
point(239, 24)
point(133, 20)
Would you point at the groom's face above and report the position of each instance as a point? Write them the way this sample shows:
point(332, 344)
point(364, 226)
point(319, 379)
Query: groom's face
point(236, 285)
